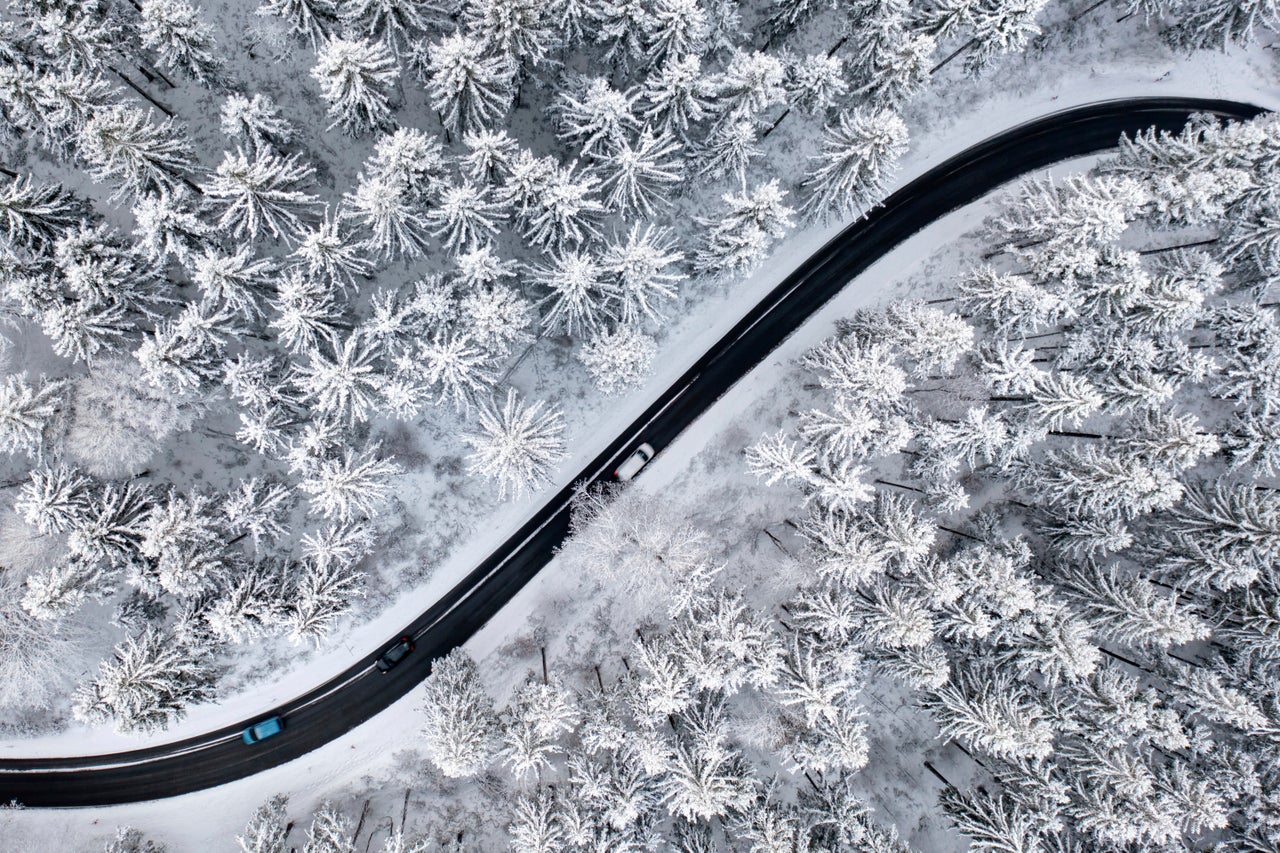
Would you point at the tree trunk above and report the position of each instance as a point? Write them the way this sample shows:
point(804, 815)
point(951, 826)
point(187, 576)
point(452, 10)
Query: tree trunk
point(959, 50)
point(135, 87)
point(364, 812)
point(545, 679)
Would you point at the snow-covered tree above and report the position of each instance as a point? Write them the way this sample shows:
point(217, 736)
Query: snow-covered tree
point(516, 444)
point(356, 77)
point(678, 97)
point(26, 411)
point(169, 223)
point(38, 215)
point(122, 145)
point(521, 29)
point(262, 194)
point(323, 591)
point(397, 23)
point(859, 153)
point(149, 684)
point(1217, 24)
point(470, 87)
point(640, 178)
point(256, 119)
point(816, 82)
point(619, 359)
point(266, 830)
point(466, 216)
point(641, 266)
point(579, 293)
point(462, 726)
point(394, 219)
point(313, 19)
point(349, 487)
point(751, 84)
point(182, 40)
point(329, 250)
point(593, 116)
point(330, 832)
point(740, 238)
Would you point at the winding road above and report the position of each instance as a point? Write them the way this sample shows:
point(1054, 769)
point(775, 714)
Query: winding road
point(356, 695)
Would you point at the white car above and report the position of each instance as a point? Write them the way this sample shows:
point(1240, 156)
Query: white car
point(635, 462)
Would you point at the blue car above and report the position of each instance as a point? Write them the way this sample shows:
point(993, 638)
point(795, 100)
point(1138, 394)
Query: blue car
point(270, 727)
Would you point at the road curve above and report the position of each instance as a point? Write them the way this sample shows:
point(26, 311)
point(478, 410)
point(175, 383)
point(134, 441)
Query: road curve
point(356, 695)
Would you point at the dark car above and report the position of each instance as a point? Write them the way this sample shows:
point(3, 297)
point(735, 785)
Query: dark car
point(270, 727)
point(395, 654)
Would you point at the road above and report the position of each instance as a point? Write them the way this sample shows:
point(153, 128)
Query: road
point(356, 695)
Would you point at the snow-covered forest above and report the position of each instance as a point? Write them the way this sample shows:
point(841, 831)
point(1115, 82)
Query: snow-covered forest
point(256, 270)
point(223, 308)
point(1042, 508)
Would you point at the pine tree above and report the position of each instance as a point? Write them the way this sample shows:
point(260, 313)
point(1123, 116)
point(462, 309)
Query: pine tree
point(322, 593)
point(623, 26)
point(258, 509)
point(38, 215)
point(148, 685)
point(238, 281)
point(466, 216)
point(344, 386)
point(516, 444)
point(993, 715)
point(256, 119)
point(410, 158)
point(579, 293)
point(329, 251)
point(641, 266)
point(314, 19)
point(729, 149)
point(859, 153)
point(355, 78)
point(395, 221)
point(121, 145)
point(470, 87)
point(355, 485)
point(175, 31)
point(497, 318)
point(1218, 24)
point(739, 240)
point(461, 726)
point(26, 412)
point(750, 85)
point(618, 360)
point(816, 82)
point(265, 194)
point(639, 178)
point(397, 23)
point(169, 223)
point(677, 98)
point(266, 830)
point(594, 116)
point(306, 314)
point(678, 28)
point(1002, 26)
point(520, 29)
point(562, 211)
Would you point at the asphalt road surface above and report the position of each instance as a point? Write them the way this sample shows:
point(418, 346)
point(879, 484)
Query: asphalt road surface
point(358, 694)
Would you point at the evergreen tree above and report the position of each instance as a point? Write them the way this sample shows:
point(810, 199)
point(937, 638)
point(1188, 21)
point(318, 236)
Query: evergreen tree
point(353, 486)
point(256, 119)
point(266, 830)
point(740, 239)
point(859, 154)
point(619, 359)
point(516, 444)
point(397, 23)
point(175, 31)
point(26, 412)
point(37, 215)
point(314, 19)
point(594, 116)
point(265, 194)
point(121, 145)
point(147, 685)
point(677, 98)
point(466, 216)
point(461, 727)
point(641, 267)
point(355, 78)
point(470, 88)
